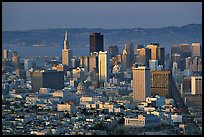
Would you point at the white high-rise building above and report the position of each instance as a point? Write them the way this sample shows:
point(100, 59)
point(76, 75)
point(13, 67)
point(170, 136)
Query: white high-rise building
point(103, 66)
point(141, 83)
point(66, 52)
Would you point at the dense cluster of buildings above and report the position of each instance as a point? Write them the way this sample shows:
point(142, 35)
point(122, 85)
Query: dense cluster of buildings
point(97, 93)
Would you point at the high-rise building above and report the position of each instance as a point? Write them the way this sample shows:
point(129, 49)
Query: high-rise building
point(6, 52)
point(130, 51)
point(186, 85)
point(15, 60)
point(142, 56)
point(161, 56)
point(93, 61)
point(125, 59)
point(84, 62)
point(47, 79)
point(113, 51)
point(154, 51)
point(196, 85)
point(161, 83)
point(195, 64)
point(96, 42)
point(67, 53)
point(103, 66)
point(196, 49)
point(141, 83)
point(187, 63)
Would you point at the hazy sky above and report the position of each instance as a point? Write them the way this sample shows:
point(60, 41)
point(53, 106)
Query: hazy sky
point(43, 15)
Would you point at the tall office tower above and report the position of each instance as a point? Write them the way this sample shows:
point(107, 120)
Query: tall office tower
point(15, 60)
point(130, 51)
point(175, 49)
point(154, 51)
point(103, 66)
point(93, 61)
point(67, 54)
point(161, 56)
point(194, 64)
point(161, 83)
point(113, 51)
point(196, 49)
point(187, 63)
point(6, 54)
point(96, 42)
point(185, 50)
point(142, 56)
point(125, 59)
point(141, 83)
point(84, 62)
point(186, 85)
point(47, 79)
point(196, 85)
point(174, 54)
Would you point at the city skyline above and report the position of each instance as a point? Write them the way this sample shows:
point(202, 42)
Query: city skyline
point(129, 83)
point(23, 16)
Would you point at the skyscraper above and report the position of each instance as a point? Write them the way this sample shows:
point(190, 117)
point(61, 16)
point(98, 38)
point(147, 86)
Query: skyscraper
point(103, 66)
point(161, 56)
point(67, 54)
point(113, 51)
point(84, 62)
point(93, 61)
point(5, 54)
point(96, 42)
point(154, 51)
point(196, 49)
point(196, 85)
point(142, 56)
point(161, 83)
point(15, 60)
point(125, 59)
point(141, 83)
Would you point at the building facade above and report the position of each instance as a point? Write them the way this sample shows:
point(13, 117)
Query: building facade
point(196, 85)
point(47, 79)
point(103, 66)
point(141, 83)
point(96, 42)
point(161, 83)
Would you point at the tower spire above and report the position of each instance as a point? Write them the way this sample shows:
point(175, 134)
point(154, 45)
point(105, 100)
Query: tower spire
point(65, 40)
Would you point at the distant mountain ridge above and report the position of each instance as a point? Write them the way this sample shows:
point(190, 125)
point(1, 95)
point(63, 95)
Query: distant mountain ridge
point(165, 36)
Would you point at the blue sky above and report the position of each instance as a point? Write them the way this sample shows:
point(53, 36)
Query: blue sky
point(43, 15)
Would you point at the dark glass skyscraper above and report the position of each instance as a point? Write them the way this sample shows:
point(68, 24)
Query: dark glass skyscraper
point(161, 56)
point(96, 42)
